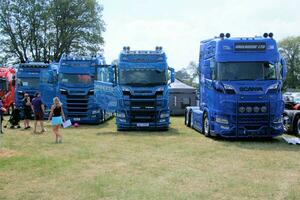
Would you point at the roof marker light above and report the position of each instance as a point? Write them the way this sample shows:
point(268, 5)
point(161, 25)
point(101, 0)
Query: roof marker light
point(227, 35)
point(271, 35)
point(265, 35)
point(222, 35)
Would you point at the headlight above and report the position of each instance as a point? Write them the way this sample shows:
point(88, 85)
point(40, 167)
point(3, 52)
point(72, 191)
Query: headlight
point(273, 87)
point(221, 120)
point(242, 109)
point(121, 115)
point(263, 109)
point(160, 89)
point(164, 115)
point(228, 87)
point(95, 112)
point(162, 120)
point(125, 90)
point(122, 120)
point(63, 91)
point(278, 120)
point(91, 92)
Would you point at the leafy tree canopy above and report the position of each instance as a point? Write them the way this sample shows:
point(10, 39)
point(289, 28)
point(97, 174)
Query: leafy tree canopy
point(42, 30)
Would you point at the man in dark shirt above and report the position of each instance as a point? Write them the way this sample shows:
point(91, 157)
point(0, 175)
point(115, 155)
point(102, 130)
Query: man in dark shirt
point(38, 109)
point(26, 110)
point(2, 110)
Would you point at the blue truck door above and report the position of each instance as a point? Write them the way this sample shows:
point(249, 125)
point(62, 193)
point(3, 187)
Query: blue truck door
point(47, 87)
point(105, 88)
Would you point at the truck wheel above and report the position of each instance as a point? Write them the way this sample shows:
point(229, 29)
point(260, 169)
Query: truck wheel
point(10, 110)
point(187, 118)
point(286, 123)
point(298, 127)
point(206, 126)
point(191, 120)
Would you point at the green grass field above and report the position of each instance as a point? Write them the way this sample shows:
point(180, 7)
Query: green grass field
point(97, 162)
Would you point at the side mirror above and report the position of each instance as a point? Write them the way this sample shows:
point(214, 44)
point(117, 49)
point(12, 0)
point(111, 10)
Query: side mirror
point(283, 69)
point(218, 86)
point(172, 75)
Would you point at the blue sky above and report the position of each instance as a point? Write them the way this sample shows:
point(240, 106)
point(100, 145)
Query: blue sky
point(179, 26)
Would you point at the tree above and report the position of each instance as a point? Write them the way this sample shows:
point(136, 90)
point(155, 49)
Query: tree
point(290, 50)
point(42, 30)
point(189, 75)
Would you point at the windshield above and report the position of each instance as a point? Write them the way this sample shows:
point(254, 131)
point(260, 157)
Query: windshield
point(245, 71)
point(142, 77)
point(75, 78)
point(28, 82)
point(3, 85)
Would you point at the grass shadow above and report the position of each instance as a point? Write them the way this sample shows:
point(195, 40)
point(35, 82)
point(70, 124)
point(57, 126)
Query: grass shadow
point(170, 132)
point(266, 144)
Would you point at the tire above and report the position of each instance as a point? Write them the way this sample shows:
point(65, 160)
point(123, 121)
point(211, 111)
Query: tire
point(10, 110)
point(206, 126)
point(103, 116)
point(298, 127)
point(187, 118)
point(191, 120)
point(286, 123)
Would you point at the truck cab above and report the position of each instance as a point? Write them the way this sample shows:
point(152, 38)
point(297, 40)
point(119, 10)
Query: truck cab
point(240, 89)
point(76, 75)
point(7, 87)
point(29, 79)
point(138, 90)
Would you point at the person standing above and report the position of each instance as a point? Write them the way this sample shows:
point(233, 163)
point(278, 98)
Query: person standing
point(2, 110)
point(57, 117)
point(26, 110)
point(38, 109)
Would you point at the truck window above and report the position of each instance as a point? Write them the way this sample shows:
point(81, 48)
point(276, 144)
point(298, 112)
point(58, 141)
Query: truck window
point(103, 74)
point(3, 84)
point(246, 71)
point(212, 65)
point(28, 82)
point(279, 69)
point(75, 78)
point(143, 77)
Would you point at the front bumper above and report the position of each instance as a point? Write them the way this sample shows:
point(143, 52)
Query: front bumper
point(123, 124)
point(233, 131)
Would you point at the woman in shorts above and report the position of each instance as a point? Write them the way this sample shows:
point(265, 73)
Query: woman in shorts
point(57, 117)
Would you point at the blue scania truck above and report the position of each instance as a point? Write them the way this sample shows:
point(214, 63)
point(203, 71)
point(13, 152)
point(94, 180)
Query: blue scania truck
point(137, 89)
point(240, 93)
point(75, 88)
point(28, 79)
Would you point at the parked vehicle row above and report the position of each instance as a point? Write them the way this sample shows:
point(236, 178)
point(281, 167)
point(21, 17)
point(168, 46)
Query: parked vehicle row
point(240, 93)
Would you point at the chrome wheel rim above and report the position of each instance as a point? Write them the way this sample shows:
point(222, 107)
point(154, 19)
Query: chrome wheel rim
point(298, 127)
point(206, 126)
point(286, 123)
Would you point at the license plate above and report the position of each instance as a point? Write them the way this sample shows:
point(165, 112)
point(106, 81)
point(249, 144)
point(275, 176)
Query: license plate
point(142, 124)
point(76, 119)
